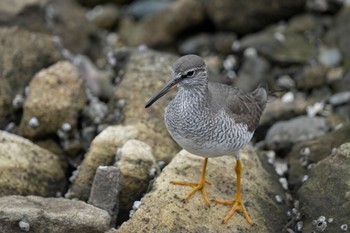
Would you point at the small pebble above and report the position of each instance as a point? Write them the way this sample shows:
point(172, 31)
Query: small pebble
point(236, 45)
point(278, 198)
point(288, 97)
point(33, 122)
point(230, 62)
point(18, 101)
point(344, 227)
point(300, 225)
point(136, 205)
point(66, 127)
point(284, 182)
point(250, 52)
point(305, 178)
point(24, 225)
point(279, 37)
point(330, 220)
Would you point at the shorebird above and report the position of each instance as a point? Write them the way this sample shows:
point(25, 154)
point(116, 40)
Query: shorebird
point(210, 120)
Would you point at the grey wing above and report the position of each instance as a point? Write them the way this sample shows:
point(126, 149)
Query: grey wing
point(244, 107)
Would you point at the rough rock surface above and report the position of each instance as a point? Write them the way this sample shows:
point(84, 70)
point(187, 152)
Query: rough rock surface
point(284, 134)
point(313, 151)
point(135, 162)
point(55, 215)
point(162, 209)
point(101, 153)
point(145, 75)
point(326, 192)
point(5, 102)
point(33, 52)
point(105, 190)
point(233, 14)
point(61, 102)
point(27, 169)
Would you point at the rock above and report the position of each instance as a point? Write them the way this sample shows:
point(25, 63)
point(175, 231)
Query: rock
point(135, 162)
point(284, 108)
point(254, 69)
point(164, 26)
point(242, 18)
point(6, 109)
point(283, 135)
point(338, 35)
point(104, 16)
point(280, 45)
point(323, 6)
point(312, 77)
point(54, 215)
point(326, 193)
point(205, 43)
point(145, 74)
point(26, 169)
point(101, 153)
point(306, 153)
point(140, 9)
point(105, 190)
point(330, 56)
point(162, 209)
point(54, 148)
point(61, 18)
point(61, 102)
point(24, 53)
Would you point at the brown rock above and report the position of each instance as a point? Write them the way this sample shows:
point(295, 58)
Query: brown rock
point(164, 26)
point(26, 169)
point(101, 153)
point(135, 162)
point(56, 96)
point(162, 209)
point(145, 74)
point(24, 53)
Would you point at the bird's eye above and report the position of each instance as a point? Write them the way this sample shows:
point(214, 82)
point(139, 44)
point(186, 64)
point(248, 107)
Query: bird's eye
point(190, 73)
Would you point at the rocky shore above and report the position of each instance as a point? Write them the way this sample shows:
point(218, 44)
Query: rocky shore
point(80, 153)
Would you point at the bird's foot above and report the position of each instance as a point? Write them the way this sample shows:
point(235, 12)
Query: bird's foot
point(237, 204)
point(196, 187)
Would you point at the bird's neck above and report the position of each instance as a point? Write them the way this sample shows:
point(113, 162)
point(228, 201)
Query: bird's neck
point(194, 96)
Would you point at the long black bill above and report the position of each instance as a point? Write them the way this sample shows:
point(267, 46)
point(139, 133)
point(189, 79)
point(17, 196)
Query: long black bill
point(162, 92)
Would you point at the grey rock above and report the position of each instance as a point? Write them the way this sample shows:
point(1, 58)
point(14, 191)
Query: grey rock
point(338, 35)
point(54, 215)
point(283, 135)
point(323, 6)
point(105, 190)
point(27, 169)
point(340, 98)
point(101, 153)
point(22, 54)
point(242, 18)
point(140, 9)
point(162, 209)
point(304, 154)
point(280, 45)
point(254, 70)
point(164, 26)
point(135, 162)
point(330, 56)
point(61, 102)
point(205, 43)
point(326, 192)
point(145, 73)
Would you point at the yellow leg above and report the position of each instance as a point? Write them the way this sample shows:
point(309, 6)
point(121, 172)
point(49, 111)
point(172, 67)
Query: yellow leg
point(197, 186)
point(237, 203)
